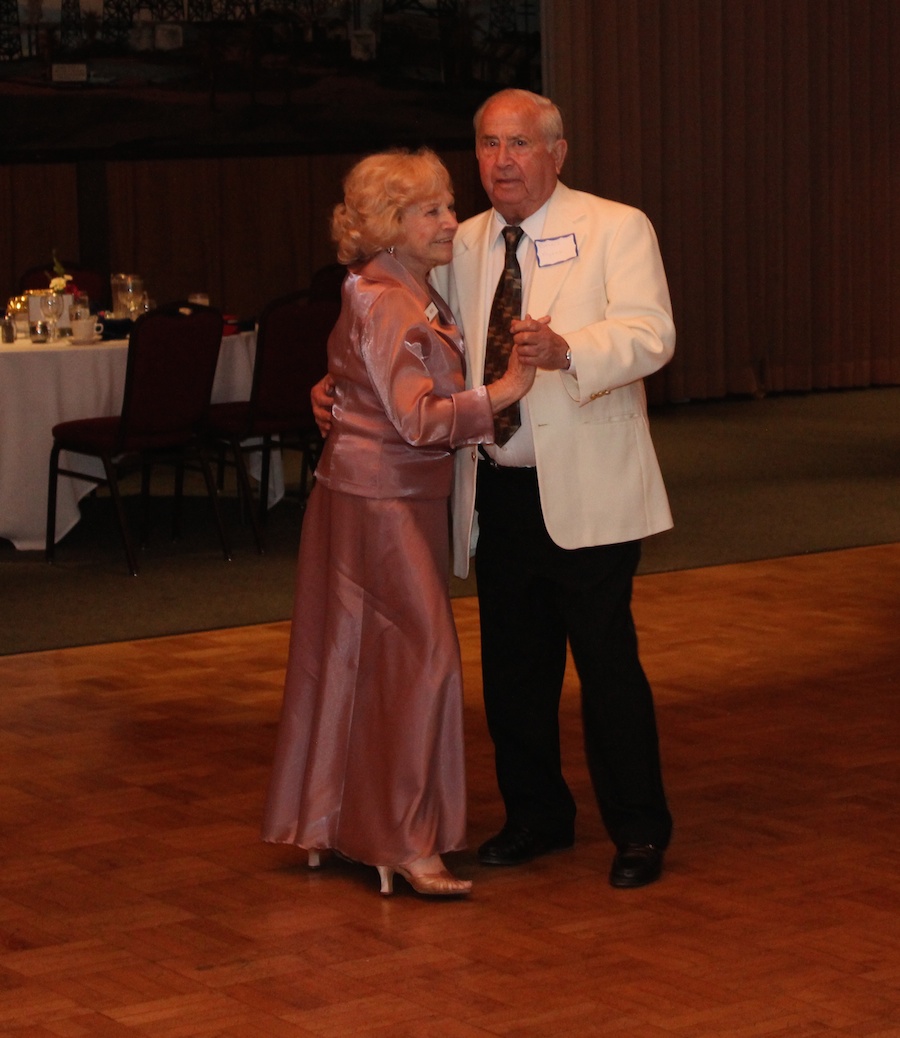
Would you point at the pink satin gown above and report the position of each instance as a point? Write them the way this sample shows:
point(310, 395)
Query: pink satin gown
point(369, 759)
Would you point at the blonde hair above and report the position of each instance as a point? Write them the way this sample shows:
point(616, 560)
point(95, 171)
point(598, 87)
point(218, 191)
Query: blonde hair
point(376, 191)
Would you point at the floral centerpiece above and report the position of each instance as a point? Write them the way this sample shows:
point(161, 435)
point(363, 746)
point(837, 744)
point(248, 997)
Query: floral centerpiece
point(49, 308)
point(63, 284)
point(60, 283)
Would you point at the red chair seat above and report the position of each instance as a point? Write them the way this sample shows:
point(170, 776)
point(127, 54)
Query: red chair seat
point(92, 435)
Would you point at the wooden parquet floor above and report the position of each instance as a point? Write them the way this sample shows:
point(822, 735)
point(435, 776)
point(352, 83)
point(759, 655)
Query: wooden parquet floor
point(137, 900)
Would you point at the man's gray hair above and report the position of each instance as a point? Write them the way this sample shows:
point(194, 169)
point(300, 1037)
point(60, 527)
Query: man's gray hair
point(549, 116)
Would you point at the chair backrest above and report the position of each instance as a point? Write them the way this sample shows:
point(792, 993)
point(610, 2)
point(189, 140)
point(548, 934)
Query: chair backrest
point(172, 357)
point(93, 283)
point(291, 356)
point(327, 281)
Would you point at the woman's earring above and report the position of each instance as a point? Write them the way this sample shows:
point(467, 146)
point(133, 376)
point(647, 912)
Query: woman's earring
point(390, 249)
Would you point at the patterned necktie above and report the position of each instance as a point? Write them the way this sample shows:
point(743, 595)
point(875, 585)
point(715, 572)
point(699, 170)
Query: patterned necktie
point(506, 306)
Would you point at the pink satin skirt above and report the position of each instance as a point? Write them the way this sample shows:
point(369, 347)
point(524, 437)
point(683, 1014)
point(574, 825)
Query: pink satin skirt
point(369, 759)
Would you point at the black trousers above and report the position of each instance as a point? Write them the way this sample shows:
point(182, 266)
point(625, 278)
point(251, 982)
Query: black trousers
point(534, 597)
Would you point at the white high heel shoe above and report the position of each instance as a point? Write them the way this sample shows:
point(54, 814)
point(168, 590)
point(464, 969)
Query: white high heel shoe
point(313, 858)
point(431, 884)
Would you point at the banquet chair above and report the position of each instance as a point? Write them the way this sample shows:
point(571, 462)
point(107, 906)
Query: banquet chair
point(291, 356)
point(326, 283)
point(171, 364)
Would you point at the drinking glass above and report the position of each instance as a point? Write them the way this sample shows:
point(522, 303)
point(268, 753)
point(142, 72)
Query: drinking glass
point(132, 296)
point(52, 306)
point(80, 307)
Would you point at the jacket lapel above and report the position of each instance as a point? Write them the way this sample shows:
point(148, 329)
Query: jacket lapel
point(564, 216)
point(470, 303)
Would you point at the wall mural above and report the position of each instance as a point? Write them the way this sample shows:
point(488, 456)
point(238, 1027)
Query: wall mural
point(168, 78)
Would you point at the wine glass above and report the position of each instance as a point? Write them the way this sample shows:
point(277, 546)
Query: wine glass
point(52, 305)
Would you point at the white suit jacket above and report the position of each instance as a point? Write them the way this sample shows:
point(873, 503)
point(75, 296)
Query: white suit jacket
point(598, 475)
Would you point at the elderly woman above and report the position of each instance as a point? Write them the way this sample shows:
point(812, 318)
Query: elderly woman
point(369, 761)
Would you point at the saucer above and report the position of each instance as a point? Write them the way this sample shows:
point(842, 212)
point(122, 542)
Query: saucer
point(86, 342)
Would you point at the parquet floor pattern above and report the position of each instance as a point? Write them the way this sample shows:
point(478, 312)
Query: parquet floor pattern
point(137, 900)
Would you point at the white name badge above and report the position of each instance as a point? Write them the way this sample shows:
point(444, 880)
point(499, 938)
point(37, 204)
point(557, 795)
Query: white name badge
point(551, 251)
point(431, 311)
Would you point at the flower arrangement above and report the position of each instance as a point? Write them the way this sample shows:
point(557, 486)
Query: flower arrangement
point(60, 283)
point(59, 280)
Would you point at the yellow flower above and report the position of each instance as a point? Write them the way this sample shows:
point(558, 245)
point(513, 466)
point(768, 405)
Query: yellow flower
point(58, 284)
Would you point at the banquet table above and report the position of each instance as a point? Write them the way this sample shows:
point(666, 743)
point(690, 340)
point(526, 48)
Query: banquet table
point(42, 384)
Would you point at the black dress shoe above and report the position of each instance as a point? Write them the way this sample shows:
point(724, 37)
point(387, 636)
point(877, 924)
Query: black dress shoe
point(514, 845)
point(636, 865)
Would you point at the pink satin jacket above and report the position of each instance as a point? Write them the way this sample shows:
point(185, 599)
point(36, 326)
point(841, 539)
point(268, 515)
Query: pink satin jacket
point(401, 406)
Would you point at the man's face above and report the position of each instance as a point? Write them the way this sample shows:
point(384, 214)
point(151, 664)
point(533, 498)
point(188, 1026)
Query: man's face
point(518, 171)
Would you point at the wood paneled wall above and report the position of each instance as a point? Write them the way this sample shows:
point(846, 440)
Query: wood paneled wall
point(761, 136)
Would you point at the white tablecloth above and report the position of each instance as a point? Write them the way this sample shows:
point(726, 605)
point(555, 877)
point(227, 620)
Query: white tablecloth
point(42, 384)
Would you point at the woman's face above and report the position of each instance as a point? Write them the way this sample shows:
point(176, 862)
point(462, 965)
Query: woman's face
point(427, 230)
point(518, 168)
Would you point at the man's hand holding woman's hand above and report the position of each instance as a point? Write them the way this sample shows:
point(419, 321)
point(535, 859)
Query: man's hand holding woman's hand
point(513, 384)
point(538, 344)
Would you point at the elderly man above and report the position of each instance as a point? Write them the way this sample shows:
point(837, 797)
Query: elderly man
point(563, 504)
point(557, 507)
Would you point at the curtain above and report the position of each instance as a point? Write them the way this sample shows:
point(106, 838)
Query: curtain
point(761, 137)
point(242, 230)
point(38, 213)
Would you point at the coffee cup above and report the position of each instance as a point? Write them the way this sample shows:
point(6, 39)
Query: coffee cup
point(86, 329)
